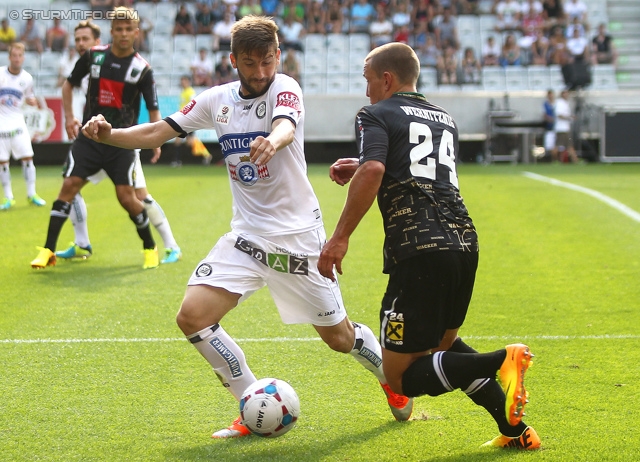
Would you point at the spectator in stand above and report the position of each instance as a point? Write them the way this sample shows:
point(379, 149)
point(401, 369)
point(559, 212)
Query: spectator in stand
point(575, 9)
point(291, 65)
point(578, 47)
point(361, 16)
point(509, 15)
point(101, 7)
point(31, 36)
point(7, 35)
point(423, 11)
point(285, 8)
point(448, 66)
point(224, 70)
point(603, 49)
point(532, 24)
point(183, 24)
point(269, 7)
point(205, 19)
point(315, 18)
point(401, 16)
point(529, 5)
point(222, 31)
point(419, 35)
point(402, 35)
point(510, 54)
point(539, 50)
point(553, 14)
point(490, 52)
point(557, 53)
point(381, 28)
point(575, 24)
point(67, 63)
point(471, 69)
point(446, 29)
point(141, 43)
point(564, 117)
point(428, 53)
point(57, 36)
point(202, 69)
point(248, 7)
point(334, 19)
point(291, 32)
point(469, 6)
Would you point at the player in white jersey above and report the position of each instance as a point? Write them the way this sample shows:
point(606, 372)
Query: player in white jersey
point(87, 35)
point(16, 88)
point(277, 231)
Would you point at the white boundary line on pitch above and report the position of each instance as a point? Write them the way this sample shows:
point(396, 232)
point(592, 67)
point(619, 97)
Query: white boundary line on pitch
point(303, 339)
point(619, 206)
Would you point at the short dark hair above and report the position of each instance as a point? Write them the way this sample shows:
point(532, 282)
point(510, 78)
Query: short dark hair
point(254, 33)
point(396, 58)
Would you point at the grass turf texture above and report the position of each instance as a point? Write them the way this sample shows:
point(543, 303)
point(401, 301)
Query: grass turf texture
point(558, 270)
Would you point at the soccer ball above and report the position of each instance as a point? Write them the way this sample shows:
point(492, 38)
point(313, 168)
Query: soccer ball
point(269, 407)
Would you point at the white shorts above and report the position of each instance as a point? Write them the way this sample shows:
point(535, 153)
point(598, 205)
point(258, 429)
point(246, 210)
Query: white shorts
point(549, 140)
point(16, 142)
point(139, 180)
point(287, 265)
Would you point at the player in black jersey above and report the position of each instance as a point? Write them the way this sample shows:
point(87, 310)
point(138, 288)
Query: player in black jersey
point(118, 78)
point(407, 159)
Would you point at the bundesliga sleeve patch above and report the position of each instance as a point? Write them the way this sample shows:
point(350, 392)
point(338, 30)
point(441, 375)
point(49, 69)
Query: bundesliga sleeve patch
point(288, 99)
point(185, 110)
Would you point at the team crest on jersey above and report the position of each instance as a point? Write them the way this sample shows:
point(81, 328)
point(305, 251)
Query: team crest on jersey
point(288, 99)
point(224, 114)
point(261, 110)
point(204, 270)
point(246, 172)
point(136, 67)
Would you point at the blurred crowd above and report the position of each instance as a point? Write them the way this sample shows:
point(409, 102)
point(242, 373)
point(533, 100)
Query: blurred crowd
point(523, 32)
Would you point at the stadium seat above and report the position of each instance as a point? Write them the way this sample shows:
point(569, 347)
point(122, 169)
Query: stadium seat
point(163, 82)
point(160, 62)
point(181, 62)
point(185, 44)
point(163, 27)
point(204, 41)
point(338, 44)
point(314, 84)
point(166, 11)
point(337, 63)
point(356, 61)
point(315, 43)
point(360, 43)
point(357, 85)
point(493, 79)
point(337, 83)
point(516, 78)
point(428, 80)
point(146, 10)
point(50, 61)
point(315, 63)
point(32, 62)
point(556, 78)
point(604, 77)
point(161, 44)
point(539, 78)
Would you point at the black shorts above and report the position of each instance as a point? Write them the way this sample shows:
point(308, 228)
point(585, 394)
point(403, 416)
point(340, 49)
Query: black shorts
point(426, 295)
point(88, 157)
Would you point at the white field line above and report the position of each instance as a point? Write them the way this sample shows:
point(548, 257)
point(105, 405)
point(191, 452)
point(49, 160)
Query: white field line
point(619, 206)
point(303, 339)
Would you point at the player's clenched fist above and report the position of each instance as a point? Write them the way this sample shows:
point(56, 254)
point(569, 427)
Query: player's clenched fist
point(97, 128)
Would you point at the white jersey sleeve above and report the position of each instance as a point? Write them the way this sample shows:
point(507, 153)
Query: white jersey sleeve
point(276, 198)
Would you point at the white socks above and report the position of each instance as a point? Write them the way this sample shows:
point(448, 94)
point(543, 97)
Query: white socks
point(29, 172)
point(78, 217)
point(5, 178)
point(159, 220)
point(367, 351)
point(226, 358)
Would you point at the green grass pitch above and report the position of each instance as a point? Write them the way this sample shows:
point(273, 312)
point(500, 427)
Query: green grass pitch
point(94, 368)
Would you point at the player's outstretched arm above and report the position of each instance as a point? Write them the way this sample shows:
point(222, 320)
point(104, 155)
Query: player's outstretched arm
point(343, 170)
point(144, 136)
point(362, 193)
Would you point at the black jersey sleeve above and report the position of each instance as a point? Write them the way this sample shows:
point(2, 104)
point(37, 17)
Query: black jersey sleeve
point(372, 136)
point(147, 87)
point(82, 68)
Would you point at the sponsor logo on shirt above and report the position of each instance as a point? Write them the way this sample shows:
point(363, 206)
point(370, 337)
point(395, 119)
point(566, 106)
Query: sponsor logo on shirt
point(110, 93)
point(185, 110)
point(288, 99)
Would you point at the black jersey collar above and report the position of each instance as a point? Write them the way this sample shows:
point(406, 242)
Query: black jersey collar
point(411, 94)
